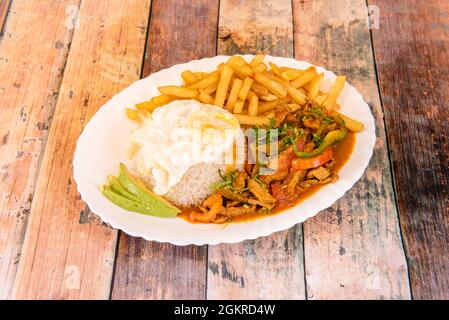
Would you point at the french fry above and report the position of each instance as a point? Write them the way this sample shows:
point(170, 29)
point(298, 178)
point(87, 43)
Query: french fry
point(205, 98)
point(332, 96)
point(320, 99)
point(161, 100)
point(146, 105)
point(251, 93)
point(223, 85)
point(200, 75)
point(205, 82)
point(261, 67)
point(259, 89)
point(241, 70)
point(220, 67)
point(189, 77)
point(236, 86)
point(351, 124)
point(278, 79)
point(271, 85)
point(252, 120)
point(238, 106)
point(315, 84)
point(277, 71)
point(253, 105)
point(268, 106)
point(246, 86)
point(291, 74)
point(297, 95)
point(258, 59)
point(181, 92)
point(211, 89)
point(238, 60)
point(267, 97)
point(306, 77)
point(132, 114)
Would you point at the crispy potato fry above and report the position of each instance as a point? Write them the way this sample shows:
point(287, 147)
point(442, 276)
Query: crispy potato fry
point(277, 71)
point(306, 77)
point(223, 85)
point(258, 59)
point(161, 100)
point(205, 98)
point(271, 85)
point(321, 98)
point(181, 92)
point(189, 77)
point(351, 124)
point(233, 94)
point(200, 75)
point(297, 95)
point(252, 120)
point(261, 67)
point(314, 87)
point(211, 89)
point(238, 106)
point(238, 60)
point(241, 70)
point(268, 106)
point(278, 79)
point(205, 82)
point(253, 105)
point(332, 96)
point(291, 74)
point(146, 105)
point(259, 89)
point(246, 86)
point(267, 97)
point(220, 67)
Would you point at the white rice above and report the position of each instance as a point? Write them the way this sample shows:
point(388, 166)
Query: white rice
point(194, 185)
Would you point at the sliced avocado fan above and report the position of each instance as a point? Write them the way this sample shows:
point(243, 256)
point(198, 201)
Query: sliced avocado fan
point(131, 194)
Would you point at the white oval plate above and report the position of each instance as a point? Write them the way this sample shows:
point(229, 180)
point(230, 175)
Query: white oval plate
point(102, 146)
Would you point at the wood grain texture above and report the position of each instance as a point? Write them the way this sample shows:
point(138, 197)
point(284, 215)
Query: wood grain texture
point(29, 85)
point(179, 32)
point(412, 54)
point(61, 258)
point(4, 7)
point(352, 250)
point(269, 267)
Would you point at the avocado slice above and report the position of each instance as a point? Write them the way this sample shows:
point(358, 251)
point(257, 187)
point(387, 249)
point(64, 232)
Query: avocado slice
point(145, 196)
point(116, 186)
point(134, 206)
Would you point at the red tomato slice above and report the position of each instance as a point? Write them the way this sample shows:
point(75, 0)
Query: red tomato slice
point(309, 163)
point(283, 161)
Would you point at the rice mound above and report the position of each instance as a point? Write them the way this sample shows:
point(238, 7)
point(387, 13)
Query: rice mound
point(194, 185)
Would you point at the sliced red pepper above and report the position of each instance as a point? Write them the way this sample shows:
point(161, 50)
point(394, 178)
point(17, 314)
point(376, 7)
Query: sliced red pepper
point(309, 163)
point(283, 161)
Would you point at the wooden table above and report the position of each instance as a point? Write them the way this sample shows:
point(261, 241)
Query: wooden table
point(387, 238)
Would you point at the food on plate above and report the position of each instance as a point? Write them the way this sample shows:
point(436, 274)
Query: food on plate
point(131, 194)
point(240, 142)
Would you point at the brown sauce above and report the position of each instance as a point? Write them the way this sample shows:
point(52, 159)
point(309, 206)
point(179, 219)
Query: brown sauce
point(342, 153)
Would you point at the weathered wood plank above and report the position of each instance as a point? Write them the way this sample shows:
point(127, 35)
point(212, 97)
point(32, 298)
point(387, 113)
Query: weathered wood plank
point(29, 85)
point(61, 258)
point(352, 250)
point(179, 31)
point(4, 7)
point(270, 267)
point(412, 54)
